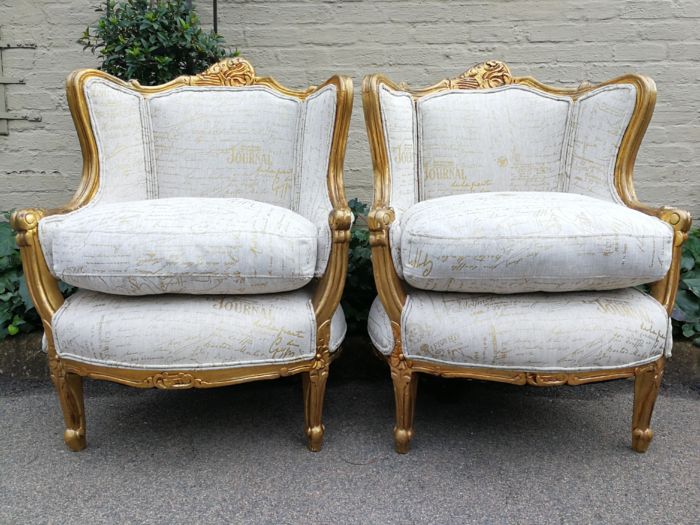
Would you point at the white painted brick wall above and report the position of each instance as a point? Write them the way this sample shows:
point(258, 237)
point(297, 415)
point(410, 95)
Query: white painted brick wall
point(304, 42)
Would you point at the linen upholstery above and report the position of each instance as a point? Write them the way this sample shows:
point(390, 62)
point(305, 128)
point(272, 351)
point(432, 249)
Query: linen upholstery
point(171, 332)
point(311, 190)
point(182, 245)
point(227, 142)
point(512, 138)
point(599, 121)
point(399, 122)
point(576, 331)
point(513, 242)
point(249, 142)
point(120, 123)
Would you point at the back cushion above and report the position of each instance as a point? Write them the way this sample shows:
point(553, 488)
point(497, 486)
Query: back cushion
point(226, 142)
point(510, 138)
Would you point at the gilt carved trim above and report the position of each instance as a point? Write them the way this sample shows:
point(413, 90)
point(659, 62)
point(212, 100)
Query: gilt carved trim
point(489, 74)
point(518, 377)
point(183, 379)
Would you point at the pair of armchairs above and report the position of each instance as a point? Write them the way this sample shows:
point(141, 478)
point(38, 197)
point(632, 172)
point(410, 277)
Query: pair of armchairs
point(209, 237)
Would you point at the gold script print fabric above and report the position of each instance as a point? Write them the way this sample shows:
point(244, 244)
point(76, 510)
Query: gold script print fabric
point(251, 143)
point(171, 332)
point(576, 331)
point(182, 245)
point(514, 242)
point(517, 138)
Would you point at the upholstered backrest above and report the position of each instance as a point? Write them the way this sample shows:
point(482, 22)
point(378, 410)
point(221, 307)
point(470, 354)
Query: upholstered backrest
point(509, 138)
point(228, 142)
point(399, 123)
point(120, 124)
point(204, 141)
point(599, 121)
point(225, 132)
point(515, 137)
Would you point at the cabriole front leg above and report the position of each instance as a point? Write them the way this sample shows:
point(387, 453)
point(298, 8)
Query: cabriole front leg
point(69, 388)
point(646, 387)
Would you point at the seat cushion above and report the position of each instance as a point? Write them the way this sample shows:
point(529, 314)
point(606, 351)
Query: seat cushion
point(510, 242)
point(181, 245)
point(574, 331)
point(170, 332)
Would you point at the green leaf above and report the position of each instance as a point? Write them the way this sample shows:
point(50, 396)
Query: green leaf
point(687, 262)
point(686, 302)
point(688, 330)
point(693, 284)
point(24, 294)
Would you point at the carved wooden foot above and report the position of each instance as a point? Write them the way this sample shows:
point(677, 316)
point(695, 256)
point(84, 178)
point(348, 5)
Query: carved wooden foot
point(70, 394)
point(314, 385)
point(405, 386)
point(646, 387)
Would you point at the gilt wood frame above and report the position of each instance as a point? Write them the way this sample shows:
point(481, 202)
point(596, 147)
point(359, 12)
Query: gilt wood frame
point(43, 287)
point(390, 287)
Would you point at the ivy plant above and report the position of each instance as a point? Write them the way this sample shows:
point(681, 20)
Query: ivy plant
point(359, 287)
point(152, 41)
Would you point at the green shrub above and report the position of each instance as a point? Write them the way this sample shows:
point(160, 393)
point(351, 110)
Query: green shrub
point(686, 313)
point(152, 41)
point(359, 287)
point(17, 313)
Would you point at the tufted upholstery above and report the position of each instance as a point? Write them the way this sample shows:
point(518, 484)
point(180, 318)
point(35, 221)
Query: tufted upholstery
point(181, 245)
point(513, 242)
point(542, 332)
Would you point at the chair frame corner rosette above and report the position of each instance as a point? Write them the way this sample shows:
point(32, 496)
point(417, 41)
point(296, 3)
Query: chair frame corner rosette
point(391, 288)
point(67, 374)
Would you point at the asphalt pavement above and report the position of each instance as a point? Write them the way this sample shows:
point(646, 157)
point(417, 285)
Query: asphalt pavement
point(482, 452)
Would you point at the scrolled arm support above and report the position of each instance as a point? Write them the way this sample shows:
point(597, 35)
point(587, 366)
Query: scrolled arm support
point(389, 286)
point(330, 288)
point(340, 222)
point(379, 220)
point(43, 287)
point(26, 223)
point(665, 290)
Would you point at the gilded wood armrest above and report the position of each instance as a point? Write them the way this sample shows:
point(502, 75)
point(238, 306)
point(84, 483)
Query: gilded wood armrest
point(330, 287)
point(665, 290)
point(389, 286)
point(43, 287)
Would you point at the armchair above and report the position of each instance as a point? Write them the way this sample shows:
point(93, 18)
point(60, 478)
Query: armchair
point(208, 237)
point(507, 239)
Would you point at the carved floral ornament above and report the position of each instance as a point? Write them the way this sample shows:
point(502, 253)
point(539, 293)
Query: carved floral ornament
point(228, 72)
point(489, 74)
